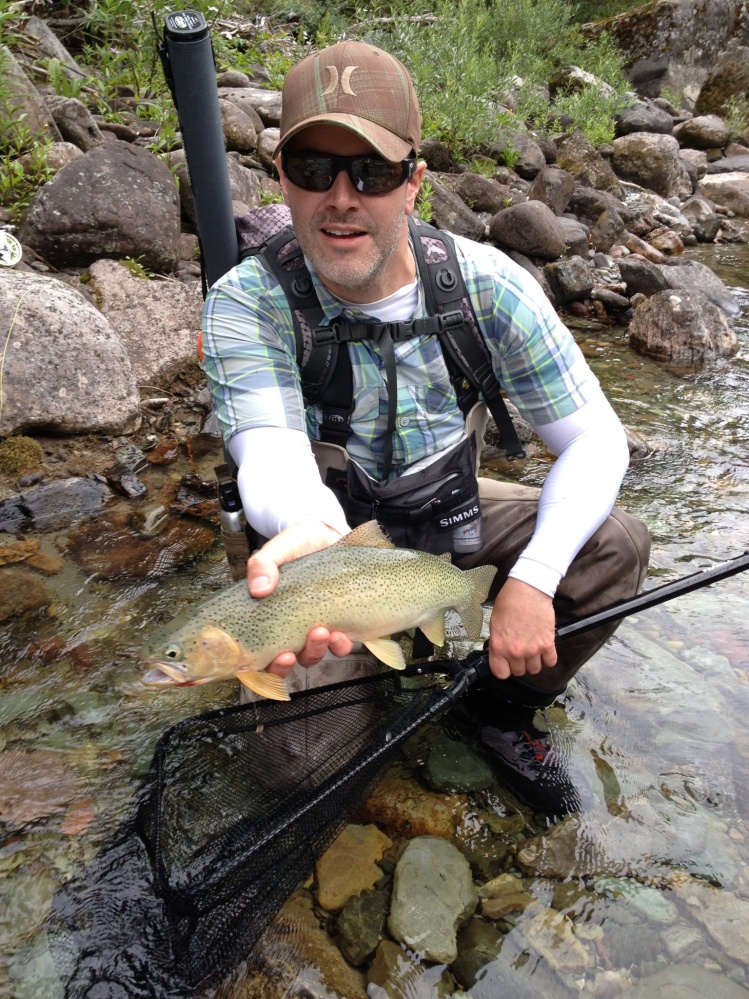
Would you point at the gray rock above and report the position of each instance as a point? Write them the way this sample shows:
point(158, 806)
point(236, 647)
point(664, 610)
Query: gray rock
point(694, 276)
point(240, 134)
point(531, 228)
point(554, 187)
point(571, 280)
point(394, 973)
point(265, 103)
point(48, 43)
point(117, 200)
point(451, 212)
point(705, 222)
point(75, 122)
point(641, 277)
point(361, 925)
point(157, 321)
point(437, 154)
point(527, 156)
point(588, 204)
point(481, 194)
point(244, 184)
point(696, 158)
point(681, 327)
point(576, 236)
point(703, 132)
point(577, 156)
point(608, 228)
point(433, 895)
point(687, 981)
point(731, 190)
point(64, 502)
point(452, 767)
point(739, 163)
point(23, 101)
point(652, 161)
point(726, 79)
point(266, 146)
point(55, 382)
point(644, 117)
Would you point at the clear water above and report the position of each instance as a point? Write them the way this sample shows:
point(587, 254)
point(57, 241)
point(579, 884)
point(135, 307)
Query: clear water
point(658, 722)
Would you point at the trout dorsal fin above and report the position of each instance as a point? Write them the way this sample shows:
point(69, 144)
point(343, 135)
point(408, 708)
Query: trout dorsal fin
point(369, 535)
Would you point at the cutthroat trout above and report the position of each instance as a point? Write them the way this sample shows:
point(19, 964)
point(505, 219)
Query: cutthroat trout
point(363, 586)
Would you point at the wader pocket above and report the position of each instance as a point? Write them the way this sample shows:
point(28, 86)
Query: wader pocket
point(436, 510)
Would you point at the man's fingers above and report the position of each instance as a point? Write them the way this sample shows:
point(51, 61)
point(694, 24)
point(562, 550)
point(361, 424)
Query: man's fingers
point(262, 575)
point(315, 647)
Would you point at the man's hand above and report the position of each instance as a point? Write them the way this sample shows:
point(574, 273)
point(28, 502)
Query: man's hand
point(299, 539)
point(521, 631)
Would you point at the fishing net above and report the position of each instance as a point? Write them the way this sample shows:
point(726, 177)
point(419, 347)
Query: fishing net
point(246, 800)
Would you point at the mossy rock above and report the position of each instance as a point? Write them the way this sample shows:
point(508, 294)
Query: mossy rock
point(19, 455)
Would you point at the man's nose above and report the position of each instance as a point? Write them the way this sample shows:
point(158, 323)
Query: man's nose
point(343, 194)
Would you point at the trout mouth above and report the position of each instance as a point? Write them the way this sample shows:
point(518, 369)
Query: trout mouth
point(169, 675)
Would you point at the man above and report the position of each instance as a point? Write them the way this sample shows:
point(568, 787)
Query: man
point(350, 132)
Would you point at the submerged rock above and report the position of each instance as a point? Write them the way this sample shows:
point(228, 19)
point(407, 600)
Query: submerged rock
point(33, 786)
point(349, 866)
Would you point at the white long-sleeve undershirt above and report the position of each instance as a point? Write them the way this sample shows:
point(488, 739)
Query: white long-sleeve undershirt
point(280, 485)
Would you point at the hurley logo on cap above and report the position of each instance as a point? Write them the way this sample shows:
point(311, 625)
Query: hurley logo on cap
point(345, 81)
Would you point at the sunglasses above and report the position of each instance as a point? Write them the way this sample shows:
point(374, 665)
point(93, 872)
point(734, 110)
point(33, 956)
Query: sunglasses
point(368, 174)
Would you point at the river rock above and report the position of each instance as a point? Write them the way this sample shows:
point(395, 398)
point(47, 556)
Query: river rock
point(33, 786)
point(607, 231)
point(530, 228)
point(451, 212)
point(239, 132)
point(118, 200)
point(265, 103)
point(349, 866)
point(433, 895)
point(479, 943)
point(705, 222)
point(702, 132)
point(681, 327)
point(267, 141)
point(244, 184)
point(647, 902)
point(403, 808)
point(481, 194)
point(108, 548)
point(65, 396)
point(649, 160)
point(687, 981)
point(451, 766)
point(63, 502)
point(21, 592)
point(643, 116)
point(395, 973)
point(527, 156)
point(727, 78)
point(578, 156)
point(694, 276)
point(731, 190)
point(157, 321)
point(554, 187)
point(723, 914)
point(24, 102)
point(75, 122)
point(570, 280)
point(361, 925)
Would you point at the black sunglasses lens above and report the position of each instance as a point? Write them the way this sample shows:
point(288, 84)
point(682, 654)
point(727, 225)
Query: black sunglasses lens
point(311, 173)
point(369, 174)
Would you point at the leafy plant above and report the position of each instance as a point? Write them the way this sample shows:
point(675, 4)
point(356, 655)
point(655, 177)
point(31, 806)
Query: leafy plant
point(424, 201)
point(136, 268)
point(736, 117)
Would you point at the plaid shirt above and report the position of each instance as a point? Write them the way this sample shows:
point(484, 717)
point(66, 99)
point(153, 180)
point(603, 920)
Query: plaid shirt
point(250, 361)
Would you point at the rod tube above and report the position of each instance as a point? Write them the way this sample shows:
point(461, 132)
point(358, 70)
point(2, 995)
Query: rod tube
point(190, 57)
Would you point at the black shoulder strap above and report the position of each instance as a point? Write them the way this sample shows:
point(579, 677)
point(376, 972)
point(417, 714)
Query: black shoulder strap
point(466, 353)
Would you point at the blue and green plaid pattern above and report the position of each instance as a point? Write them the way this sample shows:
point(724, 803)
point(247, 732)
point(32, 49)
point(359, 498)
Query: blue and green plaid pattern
point(250, 361)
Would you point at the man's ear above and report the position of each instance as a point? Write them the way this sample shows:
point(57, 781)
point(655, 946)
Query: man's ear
point(281, 177)
point(413, 185)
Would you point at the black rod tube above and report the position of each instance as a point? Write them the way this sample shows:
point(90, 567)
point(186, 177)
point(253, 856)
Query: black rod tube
point(190, 58)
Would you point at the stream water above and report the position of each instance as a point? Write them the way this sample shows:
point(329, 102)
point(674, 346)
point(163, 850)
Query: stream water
point(658, 721)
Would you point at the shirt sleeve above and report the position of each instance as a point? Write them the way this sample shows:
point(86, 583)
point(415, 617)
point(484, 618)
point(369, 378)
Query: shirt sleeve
point(578, 493)
point(249, 354)
point(279, 482)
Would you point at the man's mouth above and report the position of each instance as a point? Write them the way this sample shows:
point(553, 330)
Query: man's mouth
point(343, 233)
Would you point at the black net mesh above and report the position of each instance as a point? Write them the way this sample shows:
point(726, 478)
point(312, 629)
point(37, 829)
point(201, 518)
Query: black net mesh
point(245, 800)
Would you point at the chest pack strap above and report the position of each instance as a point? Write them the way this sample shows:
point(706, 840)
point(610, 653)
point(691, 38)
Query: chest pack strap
point(323, 358)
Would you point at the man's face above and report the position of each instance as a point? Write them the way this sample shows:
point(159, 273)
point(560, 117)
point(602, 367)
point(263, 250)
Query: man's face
point(357, 243)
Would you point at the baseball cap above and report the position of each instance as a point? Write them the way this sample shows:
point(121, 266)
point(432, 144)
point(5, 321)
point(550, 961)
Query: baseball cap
point(359, 87)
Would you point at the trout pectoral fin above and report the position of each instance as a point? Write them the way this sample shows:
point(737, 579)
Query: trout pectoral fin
point(435, 629)
point(265, 684)
point(387, 651)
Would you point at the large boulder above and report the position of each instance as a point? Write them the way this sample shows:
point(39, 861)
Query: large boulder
point(643, 116)
point(554, 187)
point(726, 80)
point(706, 131)
point(520, 151)
point(20, 101)
point(649, 160)
point(731, 190)
point(451, 212)
point(65, 369)
point(531, 228)
point(118, 200)
point(158, 321)
point(682, 328)
point(577, 156)
point(694, 276)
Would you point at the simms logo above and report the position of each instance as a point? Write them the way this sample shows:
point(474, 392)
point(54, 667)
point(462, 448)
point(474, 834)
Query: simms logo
point(345, 81)
point(459, 518)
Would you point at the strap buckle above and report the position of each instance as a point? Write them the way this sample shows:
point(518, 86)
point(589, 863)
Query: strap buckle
point(449, 321)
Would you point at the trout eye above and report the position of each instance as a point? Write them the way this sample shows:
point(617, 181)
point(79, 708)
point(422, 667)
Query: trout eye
point(172, 651)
